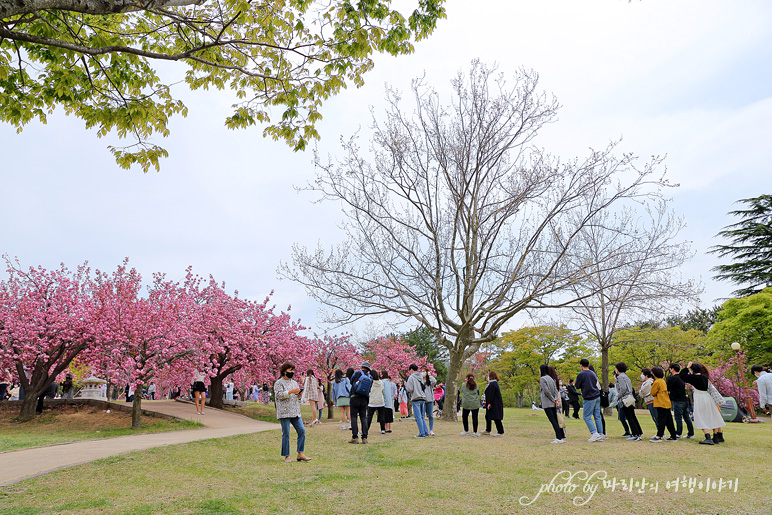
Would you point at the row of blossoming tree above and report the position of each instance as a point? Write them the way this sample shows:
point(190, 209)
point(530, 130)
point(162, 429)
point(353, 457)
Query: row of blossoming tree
point(163, 332)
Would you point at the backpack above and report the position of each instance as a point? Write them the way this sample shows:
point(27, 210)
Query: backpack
point(363, 385)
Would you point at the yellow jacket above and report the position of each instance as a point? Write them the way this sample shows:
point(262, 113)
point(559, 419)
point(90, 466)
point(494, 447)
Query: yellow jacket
point(659, 392)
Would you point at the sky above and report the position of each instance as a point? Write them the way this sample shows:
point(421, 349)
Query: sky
point(690, 80)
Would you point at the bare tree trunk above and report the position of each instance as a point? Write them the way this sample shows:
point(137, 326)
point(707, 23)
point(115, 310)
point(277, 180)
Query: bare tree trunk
point(215, 392)
point(136, 409)
point(604, 364)
point(451, 384)
point(29, 404)
point(330, 407)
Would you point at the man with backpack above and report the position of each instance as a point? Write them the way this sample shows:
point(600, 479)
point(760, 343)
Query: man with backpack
point(361, 382)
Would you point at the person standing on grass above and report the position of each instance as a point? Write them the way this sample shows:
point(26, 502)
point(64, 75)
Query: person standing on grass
point(564, 397)
point(624, 390)
point(377, 403)
point(389, 394)
point(359, 402)
point(616, 403)
point(550, 401)
point(706, 413)
point(573, 398)
point(645, 393)
point(494, 405)
point(677, 390)
point(764, 385)
point(662, 405)
point(429, 382)
point(415, 387)
point(587, 381)
point(402, 396)
point(341, 392)
point(311, 394)
point(602, 428)
point(470, 403)
point(287, 395)
point(199, 392)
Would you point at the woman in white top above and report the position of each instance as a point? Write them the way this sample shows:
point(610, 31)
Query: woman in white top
point(376, 402)
point(311, 394)
point(389, 393)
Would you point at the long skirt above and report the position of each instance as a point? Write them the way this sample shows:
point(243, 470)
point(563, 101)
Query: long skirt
point(706, 414)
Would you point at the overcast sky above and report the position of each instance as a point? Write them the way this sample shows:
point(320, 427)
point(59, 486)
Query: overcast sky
point(689, 79)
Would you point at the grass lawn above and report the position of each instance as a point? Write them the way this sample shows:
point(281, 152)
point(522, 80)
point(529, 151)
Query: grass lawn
point(264, 412)
point(397, 473)
point(59, 424)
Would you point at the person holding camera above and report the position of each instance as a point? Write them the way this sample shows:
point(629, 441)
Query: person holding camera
point(287, 394)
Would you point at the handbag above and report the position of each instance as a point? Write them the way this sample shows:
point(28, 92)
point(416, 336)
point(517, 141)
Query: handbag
point(561, 419)
point(628, 400)
point(715, 395)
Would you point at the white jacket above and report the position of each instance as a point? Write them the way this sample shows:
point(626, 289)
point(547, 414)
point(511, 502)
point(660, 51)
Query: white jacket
point(764, 384)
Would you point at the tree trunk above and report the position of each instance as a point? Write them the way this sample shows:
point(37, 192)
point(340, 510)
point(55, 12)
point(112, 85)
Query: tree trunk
point(604, 366)
point(215, 392)
point(29, 404)
point(330, 407)
point(451, 384)
point(136, 409)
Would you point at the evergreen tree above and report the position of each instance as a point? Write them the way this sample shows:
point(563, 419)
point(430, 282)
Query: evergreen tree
point(750, 247)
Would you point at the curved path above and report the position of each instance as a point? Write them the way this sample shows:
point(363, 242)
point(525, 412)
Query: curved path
point(18, 465)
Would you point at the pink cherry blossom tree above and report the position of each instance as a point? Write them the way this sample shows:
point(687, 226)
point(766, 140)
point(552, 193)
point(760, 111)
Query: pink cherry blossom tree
point(45, 323)
point(240, 335)
point(727, 378)
point(394, 355)
point(331, 352)
point(141, 338)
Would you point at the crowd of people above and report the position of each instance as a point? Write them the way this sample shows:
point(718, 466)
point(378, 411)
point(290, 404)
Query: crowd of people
point(666, 401)
point(364, 393)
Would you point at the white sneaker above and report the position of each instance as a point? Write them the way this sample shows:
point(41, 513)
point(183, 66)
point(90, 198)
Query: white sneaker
point(432, 433)
point(343, 426)
point(596, 437)
point(562, 440)
point(464, 433)
point(603, 437)
point(475, 434)
point(555, 441)
point(497, 434)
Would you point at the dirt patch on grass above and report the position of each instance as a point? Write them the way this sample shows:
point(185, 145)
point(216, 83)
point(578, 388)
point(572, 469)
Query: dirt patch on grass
point(67, 417)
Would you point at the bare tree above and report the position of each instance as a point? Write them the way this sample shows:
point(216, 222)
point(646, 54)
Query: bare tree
point(455, 220)
point(634, 260)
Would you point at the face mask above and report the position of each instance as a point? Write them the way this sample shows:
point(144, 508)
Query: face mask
point(643, 377)
point(290, 374)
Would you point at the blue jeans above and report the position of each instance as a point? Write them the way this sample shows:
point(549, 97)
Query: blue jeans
point(430, 414)
point(653, 412)
point(681, 411)
point(592, 410)
point(297, 423)
point(419, 410)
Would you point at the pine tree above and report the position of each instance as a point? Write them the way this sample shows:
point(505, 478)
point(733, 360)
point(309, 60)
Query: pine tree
point(750, 247)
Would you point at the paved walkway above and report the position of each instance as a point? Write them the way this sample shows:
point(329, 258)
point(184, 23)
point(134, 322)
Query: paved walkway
point(18, 465)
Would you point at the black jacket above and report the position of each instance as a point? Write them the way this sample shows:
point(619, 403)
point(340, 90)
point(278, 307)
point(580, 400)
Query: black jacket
point(494, 400)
